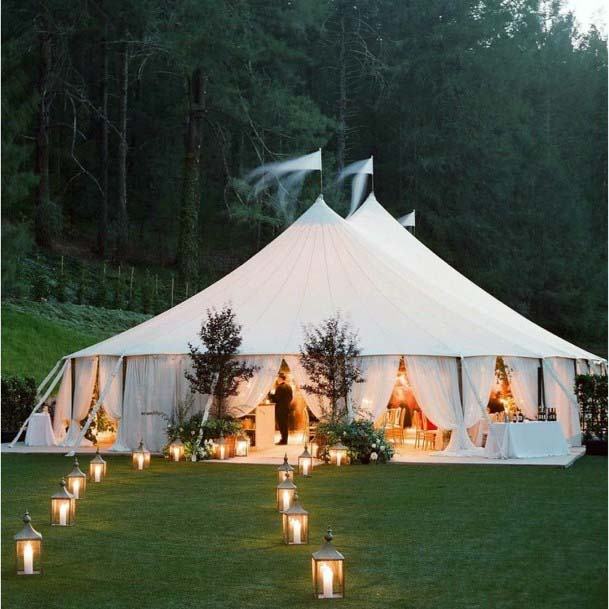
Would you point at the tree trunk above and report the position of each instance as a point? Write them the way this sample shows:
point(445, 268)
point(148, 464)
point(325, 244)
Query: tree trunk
point(122, 216)
point(102, 226)
point(42, 134)
point(188, 250)
point(341, 134)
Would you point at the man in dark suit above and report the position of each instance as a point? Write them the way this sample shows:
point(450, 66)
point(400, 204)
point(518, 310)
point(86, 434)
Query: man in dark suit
point(282, 399)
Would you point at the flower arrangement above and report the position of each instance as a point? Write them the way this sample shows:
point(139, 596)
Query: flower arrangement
point(365, 444)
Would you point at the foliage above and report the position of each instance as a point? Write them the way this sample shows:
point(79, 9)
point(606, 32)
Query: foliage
point(18, 399)
point(16, 244)
point(49, 222)
point(328, 355)
point(364, 441)
point(591, 391)
point(216, 371)
point(41, 286)
point(187, 429)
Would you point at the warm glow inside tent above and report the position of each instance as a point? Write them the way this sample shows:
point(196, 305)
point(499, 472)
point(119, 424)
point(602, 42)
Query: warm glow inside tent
point(403, 301)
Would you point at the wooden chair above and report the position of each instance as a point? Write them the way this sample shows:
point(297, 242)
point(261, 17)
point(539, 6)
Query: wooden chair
point(394, 424)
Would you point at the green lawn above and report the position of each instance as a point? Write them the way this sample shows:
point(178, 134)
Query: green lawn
point(207, 535)
point(35, 335)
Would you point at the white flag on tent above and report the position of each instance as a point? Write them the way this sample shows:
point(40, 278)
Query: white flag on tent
point(408, 219)
point(361, 170)
point(308, 162)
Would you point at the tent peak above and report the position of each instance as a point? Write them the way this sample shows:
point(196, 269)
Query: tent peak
point(319, 213)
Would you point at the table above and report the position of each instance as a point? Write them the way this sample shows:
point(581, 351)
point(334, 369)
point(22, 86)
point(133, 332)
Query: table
point(39, 431)
point(525, 440)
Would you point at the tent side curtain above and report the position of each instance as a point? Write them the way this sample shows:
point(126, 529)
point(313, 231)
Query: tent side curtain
point(478, 380)
point(63, 405)
point(435, 384)
point(559, 382)
point(254, 391)
point(370, 398)
point(113, 399)
point(524, 381)
point(316, 404)
point(85, 377)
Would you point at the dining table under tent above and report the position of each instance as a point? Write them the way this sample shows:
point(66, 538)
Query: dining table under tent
point(407, 306)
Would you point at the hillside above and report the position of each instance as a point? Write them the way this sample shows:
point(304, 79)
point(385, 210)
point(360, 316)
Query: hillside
point(35, 335)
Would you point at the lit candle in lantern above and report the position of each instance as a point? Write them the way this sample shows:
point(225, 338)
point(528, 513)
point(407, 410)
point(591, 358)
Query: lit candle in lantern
point(296, 530)
point(141, 457)
point(176, 450)
point(64, 508)
point(285, 493)
point(285, 468)
point(76, 481)
point(28, 549)
point(327, 579)
point(338, 454)
point(28, 559)
point(97, 467)
point(305, 463)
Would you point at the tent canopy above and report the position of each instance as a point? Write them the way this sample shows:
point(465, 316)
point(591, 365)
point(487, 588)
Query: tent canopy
point(399, 296)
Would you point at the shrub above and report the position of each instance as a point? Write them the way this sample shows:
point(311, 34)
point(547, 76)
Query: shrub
point(360, 437)
point(591, 391)
point(48, 221)
point(18, 399)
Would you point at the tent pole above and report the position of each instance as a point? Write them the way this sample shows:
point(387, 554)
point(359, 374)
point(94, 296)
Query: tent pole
point(96, 406)
point(48, 376)
point(40, 402)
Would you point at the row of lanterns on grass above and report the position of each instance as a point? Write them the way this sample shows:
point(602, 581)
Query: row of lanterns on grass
point(28, 541)
point(327, 563)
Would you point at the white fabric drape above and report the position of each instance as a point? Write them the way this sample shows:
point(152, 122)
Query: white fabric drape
point(435, 384)
point(370, 398)
point(317, 404)
point(596, 368)
point(254, 391)
point(183, 391)
point(524, 381)
point(559, 380)
point(582, 366)
point(85, 376)
point(113, 399)
point(63, 405)
point(478, 381)
point(149, 399)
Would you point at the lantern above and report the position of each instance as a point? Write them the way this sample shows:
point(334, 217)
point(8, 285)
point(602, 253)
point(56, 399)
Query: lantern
point(338, 454)
point(176, 450)
point(140, 457)
point(97, 468)
point(285, 494)
point(77, 481)
point(328, 570)
point(221, 448)
point(28, 549)
point(285, 468)
point(242, 446)
point(63, 507)
point(305, 463)
point(295, 524)
point(314, 449)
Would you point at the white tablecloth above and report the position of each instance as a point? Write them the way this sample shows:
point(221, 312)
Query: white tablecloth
point(525, 440)
point(39, 431)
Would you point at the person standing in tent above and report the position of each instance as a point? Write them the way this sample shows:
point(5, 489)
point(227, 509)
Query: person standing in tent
point(282, 397)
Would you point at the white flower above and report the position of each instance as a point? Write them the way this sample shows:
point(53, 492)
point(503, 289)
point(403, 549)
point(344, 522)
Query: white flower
point(382, 447)
point(344, 433)
point(373, 456)
point(374, 446)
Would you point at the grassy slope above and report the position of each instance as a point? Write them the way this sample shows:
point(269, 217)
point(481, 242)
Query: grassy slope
point(36, 335)
point(206, 535)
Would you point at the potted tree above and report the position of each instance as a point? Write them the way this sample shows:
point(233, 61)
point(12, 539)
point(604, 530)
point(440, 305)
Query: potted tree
point(216, 371)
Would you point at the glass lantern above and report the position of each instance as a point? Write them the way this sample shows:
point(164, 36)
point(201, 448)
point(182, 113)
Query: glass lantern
point(176, 450)
point(221, 448)
point(63, 507)
point(28, 549)
point(242, 446)
point(97, 468)
point(285, 494)
point(295, 524)
point(338, 454)
point(314, 448)
point(140, 457)
point(77, 481)
point(328, 570)
point(285, 468)
point(305, 463)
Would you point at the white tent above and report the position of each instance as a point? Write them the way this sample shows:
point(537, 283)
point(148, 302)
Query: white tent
point(402, 300)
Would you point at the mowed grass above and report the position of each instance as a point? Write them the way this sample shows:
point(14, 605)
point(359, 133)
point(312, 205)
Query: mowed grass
point(36, 335)
point(207, 535)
